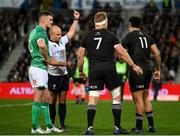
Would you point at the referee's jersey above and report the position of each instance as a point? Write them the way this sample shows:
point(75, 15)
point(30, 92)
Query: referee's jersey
point(58, 52)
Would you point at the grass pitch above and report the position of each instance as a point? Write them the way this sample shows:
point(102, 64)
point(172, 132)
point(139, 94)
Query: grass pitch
point(15, 118)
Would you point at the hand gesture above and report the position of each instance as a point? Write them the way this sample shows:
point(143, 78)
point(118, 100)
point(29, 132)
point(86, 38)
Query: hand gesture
point(157, 75)
point(82, 76)
point(76, 14)
point(45, 61)
point(69, 64)
point(138, 70)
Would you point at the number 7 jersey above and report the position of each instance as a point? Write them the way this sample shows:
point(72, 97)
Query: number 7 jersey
point(138, 45)
point(100, 48)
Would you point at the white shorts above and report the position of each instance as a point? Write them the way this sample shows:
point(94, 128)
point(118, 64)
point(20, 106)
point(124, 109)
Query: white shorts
point(38, 77)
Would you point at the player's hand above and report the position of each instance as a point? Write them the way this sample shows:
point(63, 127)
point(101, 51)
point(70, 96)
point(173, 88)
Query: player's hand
point(69, 64)
point(138, 70)
point(45, 61)
point(157, 75)
point(70, 79)
point(76, 14)
point(82, 76)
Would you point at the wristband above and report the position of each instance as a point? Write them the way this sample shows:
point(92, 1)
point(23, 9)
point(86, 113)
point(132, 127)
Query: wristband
point(133, 65)
point(76, 19)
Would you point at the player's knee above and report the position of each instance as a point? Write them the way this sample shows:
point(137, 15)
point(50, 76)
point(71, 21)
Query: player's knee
point(62, 101)
point(94, 93)
point(116, 104)
point(116, 93)
point(91, 107)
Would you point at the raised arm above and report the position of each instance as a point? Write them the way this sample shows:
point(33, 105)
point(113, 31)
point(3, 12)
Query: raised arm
point(125, 56)
point(157, 58)
point(74, 26)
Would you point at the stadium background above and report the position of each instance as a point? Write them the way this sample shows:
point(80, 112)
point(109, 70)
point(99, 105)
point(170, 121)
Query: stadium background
point(161, 19)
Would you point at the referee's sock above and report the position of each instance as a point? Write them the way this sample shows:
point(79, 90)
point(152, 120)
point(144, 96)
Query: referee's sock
point(52, 109)
point(149, 116)
point(139, 121)
point(91, 111)
point(116, 110)
point(62, 113)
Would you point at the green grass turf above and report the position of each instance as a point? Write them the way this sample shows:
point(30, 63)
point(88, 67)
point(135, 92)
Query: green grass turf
point(17, 119)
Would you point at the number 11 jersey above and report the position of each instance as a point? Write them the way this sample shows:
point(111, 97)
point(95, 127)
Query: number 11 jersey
point(138, 45)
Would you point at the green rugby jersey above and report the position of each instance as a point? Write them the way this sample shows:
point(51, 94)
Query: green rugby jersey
point(36, 56)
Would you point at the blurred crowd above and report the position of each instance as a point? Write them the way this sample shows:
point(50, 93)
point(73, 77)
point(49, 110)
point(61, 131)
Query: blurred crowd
point(10, 31)
point(162, 25)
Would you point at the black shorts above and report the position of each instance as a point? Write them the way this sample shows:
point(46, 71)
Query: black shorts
point(79, 81)
point(139, 82)
point(57, 84)
point(97, 79)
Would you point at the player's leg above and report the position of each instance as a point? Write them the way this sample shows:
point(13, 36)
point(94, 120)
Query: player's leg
point(62, 109)
point(137, 88)
point(75, 88)
point(91, 110)
point(38, 94)
point(149, 113)
point(147, 104)
point(83, 92)
point(45, 108)
point(95, 84)
point(112, 82)
point(64, 87)
point(36, 107)
point(52, 85)
point(139, 104)
point(52, 106)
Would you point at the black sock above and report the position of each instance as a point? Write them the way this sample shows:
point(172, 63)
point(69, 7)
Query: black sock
point(117, 115)
point(139, 121)
point(52, 110)
point(150, 118)
point(82, 99)
point(62, 113)
point(91, 111)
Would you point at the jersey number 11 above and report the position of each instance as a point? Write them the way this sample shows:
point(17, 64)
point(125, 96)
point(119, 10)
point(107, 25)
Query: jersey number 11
point(142, 43)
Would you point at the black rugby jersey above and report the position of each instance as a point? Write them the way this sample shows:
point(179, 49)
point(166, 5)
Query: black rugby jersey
point(100, 49)
point(138, 44)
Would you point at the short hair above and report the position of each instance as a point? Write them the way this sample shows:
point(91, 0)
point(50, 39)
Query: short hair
point(45, 13)
point(135, 21)
point(100, 16)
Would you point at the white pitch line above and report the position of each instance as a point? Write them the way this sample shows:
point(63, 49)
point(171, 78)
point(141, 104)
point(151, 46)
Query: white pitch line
point(14, 105)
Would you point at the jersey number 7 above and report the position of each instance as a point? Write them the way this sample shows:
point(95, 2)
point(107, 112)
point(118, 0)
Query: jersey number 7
point(99, 42)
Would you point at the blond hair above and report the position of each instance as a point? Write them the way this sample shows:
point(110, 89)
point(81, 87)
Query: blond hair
point(100, 18)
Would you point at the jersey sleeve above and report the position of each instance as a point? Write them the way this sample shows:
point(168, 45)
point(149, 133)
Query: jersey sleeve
point(116, 40)
point(125, 42)
point(50, 49)
point(64, 40)
point(150, 40)
point(83, 42)
point(41, 36)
